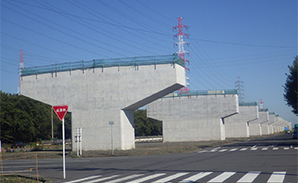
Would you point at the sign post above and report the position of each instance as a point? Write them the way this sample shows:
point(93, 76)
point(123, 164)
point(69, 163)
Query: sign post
point(61, 111)
point(112, 141)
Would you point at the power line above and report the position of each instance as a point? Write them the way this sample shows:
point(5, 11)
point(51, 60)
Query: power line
point(142, 37)
point(95, 45)
point(242, 44)
point(39, 46)
point(107, 34)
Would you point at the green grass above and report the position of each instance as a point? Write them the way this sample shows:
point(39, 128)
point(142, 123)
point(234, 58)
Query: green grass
point(17, 179)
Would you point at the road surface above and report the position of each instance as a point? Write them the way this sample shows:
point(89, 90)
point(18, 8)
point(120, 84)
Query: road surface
point(273, 159)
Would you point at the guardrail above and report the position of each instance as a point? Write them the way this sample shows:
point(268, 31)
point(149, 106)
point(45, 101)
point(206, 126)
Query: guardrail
point(102, 63)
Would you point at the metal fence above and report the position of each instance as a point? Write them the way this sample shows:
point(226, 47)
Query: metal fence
point(201, 92)
point(248, 104)
point(102, 63)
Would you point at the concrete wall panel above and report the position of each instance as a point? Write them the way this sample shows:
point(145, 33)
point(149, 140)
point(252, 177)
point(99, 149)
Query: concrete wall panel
point(255, 126)
point(238, 125)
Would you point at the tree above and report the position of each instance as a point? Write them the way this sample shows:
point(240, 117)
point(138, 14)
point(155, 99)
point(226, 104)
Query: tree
point(145, 126)
point(25, 119)
point(291, 87)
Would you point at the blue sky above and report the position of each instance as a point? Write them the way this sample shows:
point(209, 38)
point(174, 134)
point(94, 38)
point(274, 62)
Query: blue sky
point(255, 40)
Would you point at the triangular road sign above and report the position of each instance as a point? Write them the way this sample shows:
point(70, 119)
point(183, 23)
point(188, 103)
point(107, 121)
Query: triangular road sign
point(60, 111)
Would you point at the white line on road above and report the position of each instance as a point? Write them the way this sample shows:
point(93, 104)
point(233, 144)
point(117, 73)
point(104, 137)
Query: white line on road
point(102, 179)
point(83, 179)
point(196, 177)
point(147, 178)
point(249, 177)
point(125, 178)
point(167, 179)
point(264, 148)
point(223, 150)
point(235, 149)
point(277, 177)
point(275, 148)
point(222, 177)
point(286, 148)
point(243, 149)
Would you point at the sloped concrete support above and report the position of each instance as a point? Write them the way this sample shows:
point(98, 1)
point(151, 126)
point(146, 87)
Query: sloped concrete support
point(255, 127)
point(199, 117)
point(238, 125)
point(99, 95)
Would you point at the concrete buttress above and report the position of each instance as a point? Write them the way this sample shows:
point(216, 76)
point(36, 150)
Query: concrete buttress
point(255, 127)
point(238, 125)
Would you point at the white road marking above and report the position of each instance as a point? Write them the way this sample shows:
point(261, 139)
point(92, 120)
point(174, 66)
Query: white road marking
point(83, 179)
point(166, 179)
point(277, 177)
point(286, 148)
point(253, 148)
point(222, 177)
point(147, 178)
point(275, 148)
point(264, 148)
point(235, 149)
point(196, 177)
point(215, 149)
point(125, 178)
point(249, 177)
point(102, 179)
point(296, 148)
point(223, 150)
point(243, 149)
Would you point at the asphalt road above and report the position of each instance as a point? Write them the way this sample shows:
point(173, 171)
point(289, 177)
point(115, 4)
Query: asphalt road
point(272, 159)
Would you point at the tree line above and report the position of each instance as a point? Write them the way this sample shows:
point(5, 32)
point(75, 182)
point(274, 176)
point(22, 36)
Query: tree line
point(28, 120)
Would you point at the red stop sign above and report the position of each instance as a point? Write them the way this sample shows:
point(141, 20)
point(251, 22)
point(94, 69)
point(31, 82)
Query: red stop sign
point(60, 111)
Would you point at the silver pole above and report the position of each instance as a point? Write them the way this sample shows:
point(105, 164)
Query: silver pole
point(63, 141)
point(52, 124)
point(78, 139)
point(81, 141)
point(112, 141)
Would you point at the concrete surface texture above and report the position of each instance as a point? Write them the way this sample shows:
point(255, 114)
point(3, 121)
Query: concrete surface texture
point(267, 127)
point(279, 125)
point(238, 125)
point(255, 127)
point(99, 95)
point(191, 118)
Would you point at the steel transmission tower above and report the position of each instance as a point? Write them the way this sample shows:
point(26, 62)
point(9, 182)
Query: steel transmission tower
point(240, 90)
point(181, 50)
point(261, 105)
point(20, 71)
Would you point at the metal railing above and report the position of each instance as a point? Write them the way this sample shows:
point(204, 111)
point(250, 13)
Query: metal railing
point(201, 92)
point(102, 63)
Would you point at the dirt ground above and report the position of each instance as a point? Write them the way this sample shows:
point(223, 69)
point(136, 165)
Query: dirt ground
point(140, 149)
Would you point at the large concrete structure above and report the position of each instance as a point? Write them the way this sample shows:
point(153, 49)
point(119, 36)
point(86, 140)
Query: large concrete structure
point(197, 116)
point(255, 127)
point(100, 91)
point(238, 125)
